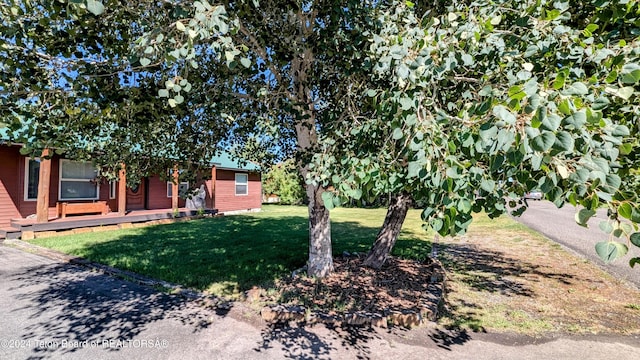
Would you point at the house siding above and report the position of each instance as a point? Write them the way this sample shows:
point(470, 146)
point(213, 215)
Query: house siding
point(157, 195)
point(9, 184)
point(225, 191)
point(14, 206)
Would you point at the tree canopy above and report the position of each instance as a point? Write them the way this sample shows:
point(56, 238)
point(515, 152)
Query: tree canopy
point(464, 105)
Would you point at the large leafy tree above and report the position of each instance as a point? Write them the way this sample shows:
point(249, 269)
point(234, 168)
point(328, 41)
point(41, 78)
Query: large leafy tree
point(489, 100)
point(70, 81)
point(286, 69)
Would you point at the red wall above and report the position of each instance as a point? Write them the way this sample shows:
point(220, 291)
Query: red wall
point(12, 179)
point(9, 184)
point(157, 195)
point(13, 205)
point(227, 200)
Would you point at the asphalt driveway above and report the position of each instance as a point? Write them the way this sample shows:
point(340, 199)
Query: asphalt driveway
point(559, 225)
point(52, 310)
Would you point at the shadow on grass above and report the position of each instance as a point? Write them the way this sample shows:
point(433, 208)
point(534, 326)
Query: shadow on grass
point(68, 304)
point(228, 255)
point(493, 271)
point(485, 272)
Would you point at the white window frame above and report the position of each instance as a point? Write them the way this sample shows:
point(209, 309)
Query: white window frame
point(61, 179)
point(113, 189)
point(246, 183)
point(26, 179)
point(170, 186)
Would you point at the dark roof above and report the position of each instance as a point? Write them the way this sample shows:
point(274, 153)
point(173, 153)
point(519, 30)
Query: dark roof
point(224, 161)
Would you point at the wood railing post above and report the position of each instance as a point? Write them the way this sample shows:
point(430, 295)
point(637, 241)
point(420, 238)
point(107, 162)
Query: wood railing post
point(174, 189)
point(122, 191)
point(44, 181)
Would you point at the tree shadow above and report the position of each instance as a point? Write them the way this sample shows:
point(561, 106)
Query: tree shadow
point(493, 271)
point(302, 342)
point(226, 255)
point(70, 304)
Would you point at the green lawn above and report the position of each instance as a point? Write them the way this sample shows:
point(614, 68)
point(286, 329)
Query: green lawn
point(227, 255)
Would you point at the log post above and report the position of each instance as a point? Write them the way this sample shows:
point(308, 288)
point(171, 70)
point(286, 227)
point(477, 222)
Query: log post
point(174, 188)
point(213, 187)
point(44, 181)
point(122, 191)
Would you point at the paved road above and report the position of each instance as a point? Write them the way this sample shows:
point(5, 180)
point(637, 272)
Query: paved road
point(51, 310)
point(560, 226)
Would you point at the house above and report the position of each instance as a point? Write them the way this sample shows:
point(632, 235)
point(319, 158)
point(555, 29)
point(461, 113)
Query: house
point(49, 189)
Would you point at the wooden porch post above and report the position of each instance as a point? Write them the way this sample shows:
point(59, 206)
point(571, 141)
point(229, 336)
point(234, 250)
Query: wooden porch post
point(42, 204)
point(174, 188)
point(213, 187)
point(122, 191)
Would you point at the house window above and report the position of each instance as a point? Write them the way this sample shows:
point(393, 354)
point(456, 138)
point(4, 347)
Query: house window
point(113, 186)
point(182, 189)
point(31, 179)
point(242, 184)
point(78, 181)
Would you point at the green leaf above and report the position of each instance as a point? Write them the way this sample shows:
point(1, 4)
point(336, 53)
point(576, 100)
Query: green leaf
point(163, 93)
point(583, 216)
point(464, 206)
point(145, 61)
point(606, 227)
point(327, 198)
point(95, 7)
point(397, 134)
point(625, 210)
point(635, 239)
point(564, 141)
point(245, 62)
point(180, 26)
point(551, 123)
point(504, 114)
point(544, 141)
point(577, 88)
point(634, 261)
point(179, 99)
point(621, 130)
point(610, 250)
point(413, 169)
point(625, 92)
point(631, 78)
point(577, 120)
point(601, 103)
point(488, 185)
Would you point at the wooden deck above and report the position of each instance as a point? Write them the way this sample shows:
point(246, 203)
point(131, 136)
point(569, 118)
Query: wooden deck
point(84, 221)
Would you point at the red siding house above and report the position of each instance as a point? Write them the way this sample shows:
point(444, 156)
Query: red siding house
point(72, 188)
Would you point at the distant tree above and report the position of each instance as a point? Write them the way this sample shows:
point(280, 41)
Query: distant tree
point(285, 181)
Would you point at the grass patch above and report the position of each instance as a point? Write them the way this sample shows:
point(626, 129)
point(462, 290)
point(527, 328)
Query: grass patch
point(227, 255)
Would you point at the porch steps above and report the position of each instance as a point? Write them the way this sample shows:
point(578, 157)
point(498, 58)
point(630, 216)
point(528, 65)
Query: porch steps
point(10, 233)
point(75, 222)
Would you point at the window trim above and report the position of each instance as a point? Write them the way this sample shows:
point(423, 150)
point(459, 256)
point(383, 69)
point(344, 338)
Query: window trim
point(170, 184)
point(113, 189)
point(235, 190)
point(26, 179)
point(61, 179)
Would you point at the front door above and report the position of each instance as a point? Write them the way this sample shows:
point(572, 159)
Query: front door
point(136, 196)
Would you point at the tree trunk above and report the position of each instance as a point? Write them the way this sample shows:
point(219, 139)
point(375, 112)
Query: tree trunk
point(388, 234)
point(320, 262)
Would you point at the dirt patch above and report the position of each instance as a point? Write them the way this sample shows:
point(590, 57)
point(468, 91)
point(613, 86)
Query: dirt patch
point(501, 277)
point(517, 280)
point(399, 286)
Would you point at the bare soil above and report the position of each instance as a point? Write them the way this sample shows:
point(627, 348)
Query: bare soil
point(399, 285)
point(506, 279)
